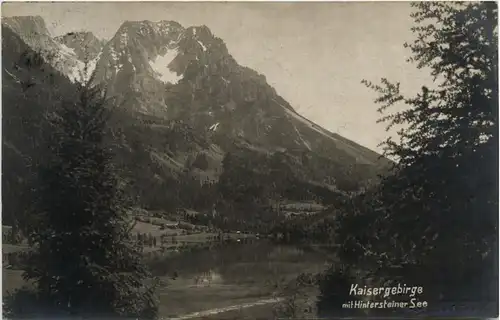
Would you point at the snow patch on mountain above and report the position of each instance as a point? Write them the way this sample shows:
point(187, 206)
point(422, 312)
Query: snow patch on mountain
point(75, 73)
point(163, 26)
point(202, 45)
point(67, 51)
point(129, 58)
point(67, 62)
point(124, 39)
point(160, 65)
point(214, 127)
point(76, 69)
point(113, 54)
point(92, 65)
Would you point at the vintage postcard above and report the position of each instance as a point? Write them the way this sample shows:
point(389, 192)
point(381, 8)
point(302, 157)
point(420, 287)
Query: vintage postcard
point(249, 160)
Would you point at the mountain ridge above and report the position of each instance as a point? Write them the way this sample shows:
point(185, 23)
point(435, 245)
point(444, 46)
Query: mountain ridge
point(187, 106)
point(86, 45)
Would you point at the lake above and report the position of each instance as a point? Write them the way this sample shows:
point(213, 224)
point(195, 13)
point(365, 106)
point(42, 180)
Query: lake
point(219, 280)
point(227, 275)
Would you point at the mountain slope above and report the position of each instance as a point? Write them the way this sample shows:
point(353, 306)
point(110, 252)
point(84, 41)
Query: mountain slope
point(33, 31)
point(85, 44)
point(210, 91)
point(186, 107)
point(30, 89)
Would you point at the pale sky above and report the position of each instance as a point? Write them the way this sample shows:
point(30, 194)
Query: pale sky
point(314, 54)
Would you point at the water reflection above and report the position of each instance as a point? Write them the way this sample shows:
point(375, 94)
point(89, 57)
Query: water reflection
point(229, 274)
point(237, 263)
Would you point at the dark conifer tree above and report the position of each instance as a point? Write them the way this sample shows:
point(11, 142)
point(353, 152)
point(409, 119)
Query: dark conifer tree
point(85, 261)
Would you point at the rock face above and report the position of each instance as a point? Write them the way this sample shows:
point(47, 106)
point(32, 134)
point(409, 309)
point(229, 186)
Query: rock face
point(186, 104)
point(33, 31)
point(187, 74)
point(85, 44)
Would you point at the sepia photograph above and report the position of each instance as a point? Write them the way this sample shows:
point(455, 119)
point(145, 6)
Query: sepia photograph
point(177, 160)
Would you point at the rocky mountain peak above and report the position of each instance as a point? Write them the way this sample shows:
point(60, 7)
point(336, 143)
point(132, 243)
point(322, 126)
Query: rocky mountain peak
point(85, 44)
point(27, 25)
point(160, 32)
point(144, 57)
point(33, 31)
point(199, 32)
